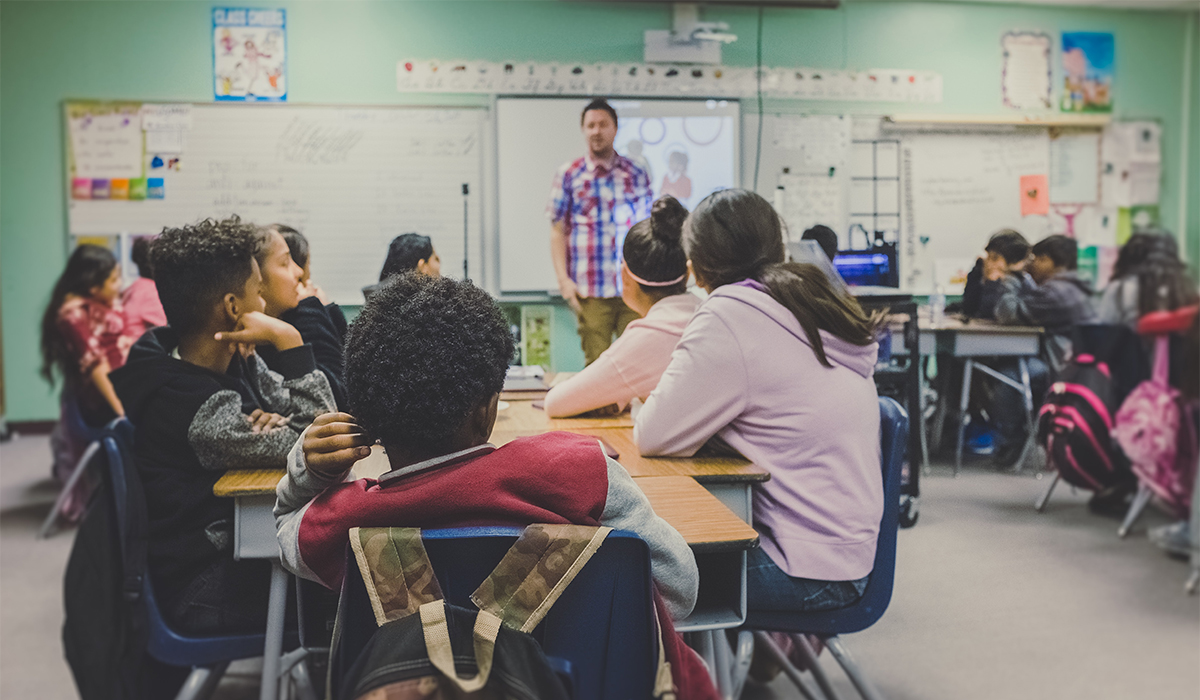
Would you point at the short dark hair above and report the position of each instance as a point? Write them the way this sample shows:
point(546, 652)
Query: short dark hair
point(404, 252)
point(1063, 251)
point(825, 237)
point(1009, 245)
point(197, 265)
point(296, 242)
point(423, 352)
point(139, 253)
point(601, 104)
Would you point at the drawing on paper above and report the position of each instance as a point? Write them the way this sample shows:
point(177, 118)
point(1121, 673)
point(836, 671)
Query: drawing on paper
point(249, 54)
point(1087, 60)
point(1025, 78)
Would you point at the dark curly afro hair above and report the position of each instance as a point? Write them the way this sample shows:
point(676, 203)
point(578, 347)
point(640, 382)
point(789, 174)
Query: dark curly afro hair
point(421, 355)
point(195, 266)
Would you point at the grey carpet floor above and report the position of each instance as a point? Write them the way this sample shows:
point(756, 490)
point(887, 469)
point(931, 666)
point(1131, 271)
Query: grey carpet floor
point(992, 600)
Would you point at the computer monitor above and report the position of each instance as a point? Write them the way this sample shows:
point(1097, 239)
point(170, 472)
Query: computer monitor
point(868, 268)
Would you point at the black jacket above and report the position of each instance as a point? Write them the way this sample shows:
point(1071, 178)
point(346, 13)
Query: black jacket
point(323, 327)
point(190, 427)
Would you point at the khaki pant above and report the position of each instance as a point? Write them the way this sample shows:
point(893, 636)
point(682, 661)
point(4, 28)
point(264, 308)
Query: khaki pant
point(599, 321)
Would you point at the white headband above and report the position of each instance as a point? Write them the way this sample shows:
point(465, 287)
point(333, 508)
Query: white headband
point(647, 283)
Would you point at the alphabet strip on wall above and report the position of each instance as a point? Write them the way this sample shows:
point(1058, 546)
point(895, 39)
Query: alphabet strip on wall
point(665, 80)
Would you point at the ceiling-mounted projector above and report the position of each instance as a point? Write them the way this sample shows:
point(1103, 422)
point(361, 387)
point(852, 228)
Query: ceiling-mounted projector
point(689, 40)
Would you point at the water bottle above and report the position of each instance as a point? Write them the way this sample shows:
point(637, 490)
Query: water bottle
point(937, 306)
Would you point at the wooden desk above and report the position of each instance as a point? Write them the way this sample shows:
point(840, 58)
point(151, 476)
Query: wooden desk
point(731, 480)
point(717, 536)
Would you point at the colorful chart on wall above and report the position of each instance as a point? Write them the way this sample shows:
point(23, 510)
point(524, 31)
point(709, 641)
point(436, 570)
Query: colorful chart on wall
point(1087, 61)
point(249, 55)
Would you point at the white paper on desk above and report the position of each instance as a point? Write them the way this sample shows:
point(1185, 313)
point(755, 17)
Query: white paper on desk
point(164, 141)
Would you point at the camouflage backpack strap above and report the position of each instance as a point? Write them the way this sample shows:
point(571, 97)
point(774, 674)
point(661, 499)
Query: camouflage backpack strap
point(535, 571)
point(395, 569)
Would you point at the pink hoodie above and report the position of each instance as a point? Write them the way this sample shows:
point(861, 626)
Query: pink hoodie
point(629, 367)
point(744, 370)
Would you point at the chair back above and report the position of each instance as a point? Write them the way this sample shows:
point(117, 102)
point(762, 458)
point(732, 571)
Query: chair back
point(893, 437)
point(164, 644)
point(602, 626)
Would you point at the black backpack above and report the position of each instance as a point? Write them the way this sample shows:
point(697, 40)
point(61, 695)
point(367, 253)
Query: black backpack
point(105, 631)
point(1075, 426)
point(426, 648)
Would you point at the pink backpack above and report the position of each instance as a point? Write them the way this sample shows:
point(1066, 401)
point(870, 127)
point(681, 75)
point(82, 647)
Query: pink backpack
point(1147, 428)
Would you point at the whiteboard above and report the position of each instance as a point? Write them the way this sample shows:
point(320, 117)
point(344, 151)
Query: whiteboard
point(349, 178)
point(536, 136)
point(959, 188)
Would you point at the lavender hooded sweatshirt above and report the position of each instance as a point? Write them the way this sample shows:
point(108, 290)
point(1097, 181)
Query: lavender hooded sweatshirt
point(744, 370)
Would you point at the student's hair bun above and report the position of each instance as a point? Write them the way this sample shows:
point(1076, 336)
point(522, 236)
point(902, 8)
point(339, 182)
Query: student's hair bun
point(666, 219)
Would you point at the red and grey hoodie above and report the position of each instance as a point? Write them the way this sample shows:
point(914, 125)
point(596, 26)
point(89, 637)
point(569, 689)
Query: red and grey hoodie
point(550, 478)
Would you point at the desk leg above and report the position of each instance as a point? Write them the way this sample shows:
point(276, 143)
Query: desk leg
point(1030, 426)
point(963, 403)
point(273, 648)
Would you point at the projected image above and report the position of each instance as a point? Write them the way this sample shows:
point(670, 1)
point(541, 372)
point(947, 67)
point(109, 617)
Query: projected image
point(687, 157)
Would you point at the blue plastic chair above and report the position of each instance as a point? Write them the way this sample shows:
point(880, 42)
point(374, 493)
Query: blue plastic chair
point(78, 428)
point(828, 624)
point(208, 657)
point(600, 633)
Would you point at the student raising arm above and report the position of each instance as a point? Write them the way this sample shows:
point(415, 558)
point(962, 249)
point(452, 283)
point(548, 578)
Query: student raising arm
point(778, 365)
point(654, 277)
point(201, 406)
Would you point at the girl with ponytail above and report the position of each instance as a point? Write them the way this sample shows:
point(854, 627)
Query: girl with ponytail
point(654, 284)
point(778, 364)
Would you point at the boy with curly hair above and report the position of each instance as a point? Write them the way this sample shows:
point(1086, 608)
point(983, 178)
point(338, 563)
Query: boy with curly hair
point(425, 362)
point(203, 402)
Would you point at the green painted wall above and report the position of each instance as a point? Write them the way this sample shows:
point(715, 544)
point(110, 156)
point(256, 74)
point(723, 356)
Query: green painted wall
point(346, 52)
point(1192, 235)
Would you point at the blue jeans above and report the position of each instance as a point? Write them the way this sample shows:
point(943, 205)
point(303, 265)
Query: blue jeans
point(769, 588)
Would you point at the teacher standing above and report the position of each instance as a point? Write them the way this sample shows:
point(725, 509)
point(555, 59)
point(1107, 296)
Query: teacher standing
point(595, 200)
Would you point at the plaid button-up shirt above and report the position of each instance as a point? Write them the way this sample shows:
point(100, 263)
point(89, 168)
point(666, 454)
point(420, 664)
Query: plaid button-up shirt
point(599, 203)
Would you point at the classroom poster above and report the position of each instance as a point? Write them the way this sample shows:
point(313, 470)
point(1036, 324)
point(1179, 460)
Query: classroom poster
point(1087, 61)
point(1025, 78)
point(249, 55)
point(105, 142)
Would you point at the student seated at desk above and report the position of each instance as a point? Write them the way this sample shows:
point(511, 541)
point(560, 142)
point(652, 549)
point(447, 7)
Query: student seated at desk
point(1000, 272)
point(288, 298)
point(425, 363)
point(201, 407)
point(298, 246)
point(1057, 301)
point(654, 284)
point(407, 252)
point(825, 237)
point(1148, 276)
point(140, 303)
point(778, 365)
point(84, 337)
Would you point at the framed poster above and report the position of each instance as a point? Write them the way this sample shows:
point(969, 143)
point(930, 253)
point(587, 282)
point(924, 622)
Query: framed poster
point(249, 55)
